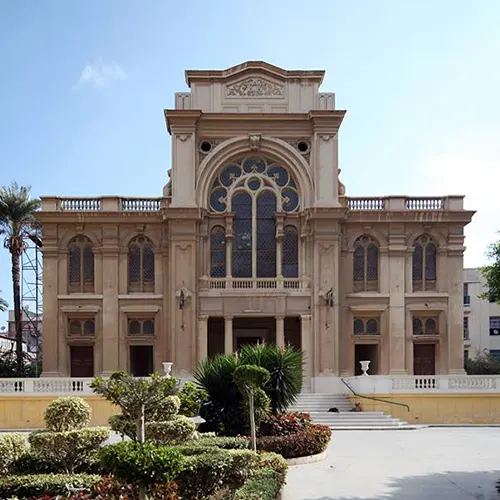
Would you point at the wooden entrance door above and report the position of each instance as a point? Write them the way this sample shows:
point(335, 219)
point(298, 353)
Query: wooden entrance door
point(424, 359)
point(82, 360)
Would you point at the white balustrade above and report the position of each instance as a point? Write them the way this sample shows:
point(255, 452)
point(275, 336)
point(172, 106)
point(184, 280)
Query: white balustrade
point(141, 204)
point(366, 203)
point(424, 203)
point(251, 283)
point(80, 204)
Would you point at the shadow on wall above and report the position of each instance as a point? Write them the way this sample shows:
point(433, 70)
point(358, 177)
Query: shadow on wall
point(479, 485)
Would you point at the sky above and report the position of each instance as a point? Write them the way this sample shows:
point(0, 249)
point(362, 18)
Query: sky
point(83, 87)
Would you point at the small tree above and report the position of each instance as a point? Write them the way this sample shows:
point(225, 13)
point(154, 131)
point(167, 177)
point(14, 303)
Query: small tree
point(491, 274)
point(250, 379)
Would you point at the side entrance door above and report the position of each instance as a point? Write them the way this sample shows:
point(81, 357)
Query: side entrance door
point(424, 359)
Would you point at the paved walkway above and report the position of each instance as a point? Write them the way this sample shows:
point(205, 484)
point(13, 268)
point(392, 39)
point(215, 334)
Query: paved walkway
point(425, 464)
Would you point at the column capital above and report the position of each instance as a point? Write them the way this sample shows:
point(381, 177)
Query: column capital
point(305, 317)
point(228, 317)
point(203, 317)
point(279, 316)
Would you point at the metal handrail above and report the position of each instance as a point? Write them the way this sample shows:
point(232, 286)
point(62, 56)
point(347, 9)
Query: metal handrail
point(373, 399)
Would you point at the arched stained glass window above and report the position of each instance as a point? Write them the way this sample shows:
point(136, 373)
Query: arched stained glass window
point(80, 265)
point(255, 189)
point(141, 265)
point(290, 267)
point(365, 264)
point(218, 252)
point(424, 264)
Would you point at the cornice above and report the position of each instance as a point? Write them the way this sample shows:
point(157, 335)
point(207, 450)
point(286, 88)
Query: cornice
point(181, 120)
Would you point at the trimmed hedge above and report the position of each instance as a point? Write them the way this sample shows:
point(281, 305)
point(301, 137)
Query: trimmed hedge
point(205, 473)
point(141, 464)
point(312, 440)
point(68, 450)
point(12, 447)
point(224, 442)
point(173, 431)
point(38, 485)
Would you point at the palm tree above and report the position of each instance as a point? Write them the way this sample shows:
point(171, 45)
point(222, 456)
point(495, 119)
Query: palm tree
point(17, 219)
point(3, 304)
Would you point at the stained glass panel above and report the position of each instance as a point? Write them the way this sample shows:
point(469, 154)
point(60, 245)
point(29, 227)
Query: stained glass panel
point(148, 327)
point(74, 263)
point(148, 263)
point(266, 235)
point(241, 205)
point(279, 174)
point(372, 327)
point(218, 200)
point(372, 263)
point(254, 183)
point(89, 327)
point(134, 327)
point(75, 327)
point(417, 326)
point(290, 200)
point(430, 326)
point(358, 327)
point(290, 266)
point(218, 252)
point(417, 262)
point(359, 263)
point(430, 262)
point(88, 264)
point(134, 263)
point(256, 165)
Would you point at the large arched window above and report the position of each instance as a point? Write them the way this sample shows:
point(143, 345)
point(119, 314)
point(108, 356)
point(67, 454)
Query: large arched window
point(290, 252)
point(365, 265)
point(141, 265)
point(424, 264)
point(80, 265)
point(254, 189)
point(218, 252)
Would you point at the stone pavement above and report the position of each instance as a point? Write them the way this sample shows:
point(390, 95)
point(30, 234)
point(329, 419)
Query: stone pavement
point(425, 464)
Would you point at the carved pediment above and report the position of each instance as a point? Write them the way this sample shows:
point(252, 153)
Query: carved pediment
point(255, 87)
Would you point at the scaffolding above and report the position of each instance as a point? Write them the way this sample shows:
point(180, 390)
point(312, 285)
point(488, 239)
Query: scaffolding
point(32, 293)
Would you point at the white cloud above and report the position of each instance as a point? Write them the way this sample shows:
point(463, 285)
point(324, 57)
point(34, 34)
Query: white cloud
point(99, 74)
point(468, 164)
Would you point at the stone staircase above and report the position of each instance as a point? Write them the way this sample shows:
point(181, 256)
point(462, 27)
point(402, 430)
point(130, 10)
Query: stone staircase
point(317, 405)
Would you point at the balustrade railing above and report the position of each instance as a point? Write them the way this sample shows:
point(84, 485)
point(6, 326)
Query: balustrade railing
point(366, 203)
point(395, 203)
point(141, 204)
point(426, 382)
point(80, 204)
point(102, 204)
point(424, 203)
point(252, 283)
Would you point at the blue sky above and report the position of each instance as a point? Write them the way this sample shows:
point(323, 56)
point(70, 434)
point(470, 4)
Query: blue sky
point(84, 85)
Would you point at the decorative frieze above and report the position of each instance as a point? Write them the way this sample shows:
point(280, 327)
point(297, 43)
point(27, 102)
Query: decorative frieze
point(255, 87)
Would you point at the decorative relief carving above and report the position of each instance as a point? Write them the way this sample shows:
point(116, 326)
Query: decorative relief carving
point(255, 87)
point(254, 142)
point(184, 137)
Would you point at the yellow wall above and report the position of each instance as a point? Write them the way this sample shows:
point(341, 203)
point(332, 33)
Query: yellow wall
point(26, 412)
point(438, 408)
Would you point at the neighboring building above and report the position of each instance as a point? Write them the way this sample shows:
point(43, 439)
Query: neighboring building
point(32, 325)
point(254, 240)
point(481, 317)
point(8, 344)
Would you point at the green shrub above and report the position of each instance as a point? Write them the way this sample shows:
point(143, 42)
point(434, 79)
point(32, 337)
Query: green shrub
point(483, 363)
point(68, 413)
point(167, 409)
point(312, 440)
point(112, 488)
point(265, 484)
point(281, 424)
point(38, 485)
point(12, 447)
point(224, 442)
point(191, 398)
point(206, 473)
point(29, 463)
point(68, 450)
point(141, 464)
point(123, 426)
point(175, 431)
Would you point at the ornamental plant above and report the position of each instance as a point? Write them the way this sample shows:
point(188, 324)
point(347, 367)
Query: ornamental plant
point(249, 379)
point(67, 414)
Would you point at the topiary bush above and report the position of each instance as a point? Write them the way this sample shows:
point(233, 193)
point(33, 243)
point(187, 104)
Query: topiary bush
point(175, 431)
point(191, 398)
point(223, 442)
point(141, 463)
point(12, 447)
point(67, 413)
point(265, 484)
point(40, 485)
point(204, 474)
point(167, 409)
point(68, 450)
point(123, 426)
point(282, 424)
point(312, 440)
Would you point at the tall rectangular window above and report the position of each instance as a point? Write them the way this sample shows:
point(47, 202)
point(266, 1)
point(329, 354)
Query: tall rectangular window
point(494, 325)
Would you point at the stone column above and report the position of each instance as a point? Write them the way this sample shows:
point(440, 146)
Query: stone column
point(280, 331)
point(397, 340)
point(202, 347)
point(228, 335)
point(110, 312)
point(51, 363)
point(307, 348)
point(455, 305)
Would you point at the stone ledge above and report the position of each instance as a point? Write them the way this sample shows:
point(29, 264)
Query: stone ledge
point(310, 459)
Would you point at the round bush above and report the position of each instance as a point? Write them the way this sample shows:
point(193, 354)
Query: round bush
point(174, 431)
point(167, 409)
point(12, 447)
point(67, 414)
point(123, 426)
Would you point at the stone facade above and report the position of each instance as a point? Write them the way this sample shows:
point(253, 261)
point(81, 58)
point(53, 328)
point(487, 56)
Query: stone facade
point(254, 239)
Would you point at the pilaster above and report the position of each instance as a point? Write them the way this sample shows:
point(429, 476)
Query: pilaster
point(228, 335)
point(202, 343)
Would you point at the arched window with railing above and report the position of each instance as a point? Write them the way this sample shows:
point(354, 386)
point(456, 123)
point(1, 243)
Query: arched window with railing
point(424, 265)
point(141, 265)
point(80, 265)
point(255, 189)
point(365, 264)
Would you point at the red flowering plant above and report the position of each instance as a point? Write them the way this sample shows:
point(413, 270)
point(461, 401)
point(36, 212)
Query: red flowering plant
point(283, 424)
